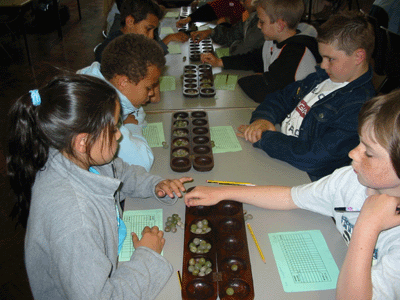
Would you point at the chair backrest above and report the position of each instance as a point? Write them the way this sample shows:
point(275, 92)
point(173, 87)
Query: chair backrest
point(390, 59)
point(380, 15)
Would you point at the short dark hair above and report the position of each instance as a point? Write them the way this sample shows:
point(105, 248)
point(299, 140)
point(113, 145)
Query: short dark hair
point(351, 30)
point(139, 10)
point(382, 115)
point(289, 11)
point(131, 55)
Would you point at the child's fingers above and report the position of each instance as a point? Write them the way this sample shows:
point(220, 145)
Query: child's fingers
point(185, 179)
point(135, 239)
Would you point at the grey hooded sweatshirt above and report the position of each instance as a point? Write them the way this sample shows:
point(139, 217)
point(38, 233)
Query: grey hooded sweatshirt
point(71, 243)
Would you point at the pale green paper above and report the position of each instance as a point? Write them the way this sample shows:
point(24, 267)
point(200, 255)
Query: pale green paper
point(154, 134)
point(167, 83)
point(225, 82)
point(304, 261)
point(225, 139)
point(135, 221)
point(166, 30)
point(172, 14)
point(221, 52)
point(174, 48)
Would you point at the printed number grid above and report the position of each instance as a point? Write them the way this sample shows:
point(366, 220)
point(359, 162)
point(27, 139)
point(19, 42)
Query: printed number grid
point(304, 261)
point(134, 224)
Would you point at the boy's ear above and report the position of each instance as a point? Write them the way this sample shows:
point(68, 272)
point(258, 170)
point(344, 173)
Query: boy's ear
point(129, 21)
point(360, 55)
point(121, 81)
point(80, 142)
point(281, 24)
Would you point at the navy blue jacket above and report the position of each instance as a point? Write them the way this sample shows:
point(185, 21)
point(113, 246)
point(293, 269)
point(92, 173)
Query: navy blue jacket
point(327, 133)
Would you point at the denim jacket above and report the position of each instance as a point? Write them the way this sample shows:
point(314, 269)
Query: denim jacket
point(328, 131)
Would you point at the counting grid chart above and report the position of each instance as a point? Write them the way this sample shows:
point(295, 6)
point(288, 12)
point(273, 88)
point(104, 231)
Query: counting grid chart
point(135, 221)
point(302, 256)
point(304, 261)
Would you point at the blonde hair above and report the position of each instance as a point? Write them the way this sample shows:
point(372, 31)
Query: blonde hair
point(289, 11)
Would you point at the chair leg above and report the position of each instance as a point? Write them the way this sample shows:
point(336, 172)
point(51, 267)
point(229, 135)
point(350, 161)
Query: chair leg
point(79, 9)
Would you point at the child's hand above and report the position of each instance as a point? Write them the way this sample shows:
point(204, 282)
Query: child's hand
point(198, 36)
point(253, 132)
point(152, 238)
point(168, 187)
point(202, 195)
point(211, 59)
point(379, 213)
point(176, 37)
point(183, 22)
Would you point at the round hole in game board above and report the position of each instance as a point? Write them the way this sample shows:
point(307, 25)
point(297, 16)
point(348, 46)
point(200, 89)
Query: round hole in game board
point(206, 85)
point(190, 81)
point(199, 114)
point(195, 52)
point(200, 130)
point(207, 92)
point(199, 245)
point(190, 67)
point(200, 289)
point(233, 264)
point(200, 265)
point(232, 244)
point(181, 162)
point(180, 132)
point(203, 160)
point(200, 210)
point(229, 225)
point(181, 123)
point(190, 72)
point(240, 289)
point(191, 92)
point(201, 139)
point(200, 226)
point(195, 47)
point(190, 86)
point(190, 76)
point(199, 122)
point(207, 49)
point(202, 149)
point(205, 66)
point(180, 142)
point(180, 152)
point(229, 207)
point(181, 115)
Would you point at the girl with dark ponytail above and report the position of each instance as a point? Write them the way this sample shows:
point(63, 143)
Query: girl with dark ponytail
point(62, 142)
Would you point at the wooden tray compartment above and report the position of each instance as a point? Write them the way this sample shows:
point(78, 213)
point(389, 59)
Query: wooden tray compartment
point(198, 80)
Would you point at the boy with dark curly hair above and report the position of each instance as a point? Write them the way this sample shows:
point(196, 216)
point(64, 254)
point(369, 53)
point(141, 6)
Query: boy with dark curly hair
point(132, 64)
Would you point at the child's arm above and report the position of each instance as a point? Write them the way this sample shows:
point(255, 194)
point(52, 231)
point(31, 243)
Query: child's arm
point(170, 186)
point(270, 197)
point(152, 238)
point(176, 37)
point(377, 214)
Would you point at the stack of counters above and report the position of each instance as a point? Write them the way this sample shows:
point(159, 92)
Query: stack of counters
point(199, 266)
point(173, 222)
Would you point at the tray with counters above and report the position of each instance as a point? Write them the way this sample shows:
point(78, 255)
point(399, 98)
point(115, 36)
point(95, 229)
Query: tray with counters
point(191, 142)
point(197, 48)
point(184, 13)
point(198, 80)
point(216, 261)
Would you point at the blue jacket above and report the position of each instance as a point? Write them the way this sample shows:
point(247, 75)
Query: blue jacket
point(327, 133)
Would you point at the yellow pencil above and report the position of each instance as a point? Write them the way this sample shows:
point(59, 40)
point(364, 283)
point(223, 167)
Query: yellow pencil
point(179, 278)
point(255, 241)
point(230, 182)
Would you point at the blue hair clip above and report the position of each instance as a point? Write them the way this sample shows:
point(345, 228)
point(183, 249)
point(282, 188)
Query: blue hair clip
point(35, 97)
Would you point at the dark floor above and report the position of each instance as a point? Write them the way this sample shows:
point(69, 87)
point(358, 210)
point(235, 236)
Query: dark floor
point(49, 55)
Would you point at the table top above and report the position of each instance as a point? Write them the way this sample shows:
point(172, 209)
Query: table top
point(13, 3)
point(175, 100)
point(249, 165)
